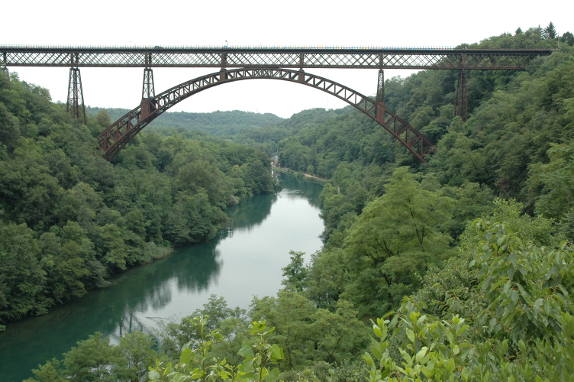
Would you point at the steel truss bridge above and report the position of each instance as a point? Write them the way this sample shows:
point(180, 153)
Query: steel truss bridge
point(241, 63)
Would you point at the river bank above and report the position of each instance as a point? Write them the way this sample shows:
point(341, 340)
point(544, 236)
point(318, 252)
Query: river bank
point(235, 265)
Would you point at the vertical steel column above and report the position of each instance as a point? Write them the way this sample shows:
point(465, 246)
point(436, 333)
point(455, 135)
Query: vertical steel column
point(301, 75)
point(380, 99)
point(3, 66)
point(148, 89)
point(460, 107)
point(76, 95)
point(381, 88)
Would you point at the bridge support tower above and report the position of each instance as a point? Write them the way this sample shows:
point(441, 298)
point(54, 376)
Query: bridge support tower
point(380, 99)
point(3, 67)
point(460, 107)
point(148, 90)
point(75, 105)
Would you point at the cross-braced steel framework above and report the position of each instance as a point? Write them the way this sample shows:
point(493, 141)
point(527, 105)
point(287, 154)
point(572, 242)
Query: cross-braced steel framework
point(115, 137)
point(460, 108)
point(148, 90)
point(284, 57)
point(75, 104)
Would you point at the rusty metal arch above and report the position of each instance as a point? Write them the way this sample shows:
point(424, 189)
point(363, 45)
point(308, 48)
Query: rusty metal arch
point(117, 136)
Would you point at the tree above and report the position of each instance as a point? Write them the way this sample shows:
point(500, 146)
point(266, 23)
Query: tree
point(568, 38)
point(22, 279)
point(549, 32)
point(555, 182)
point(135, 356)
point(295, 273)
point(396, 237)
point(91, 360)
point(103, 118)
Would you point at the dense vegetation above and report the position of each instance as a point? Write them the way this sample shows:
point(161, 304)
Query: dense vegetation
point(468, 258)
point(69, 219)
point(223, 124)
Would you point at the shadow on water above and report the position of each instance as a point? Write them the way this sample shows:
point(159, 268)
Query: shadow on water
point(37, 339)
point(251, 212)
point(113, 310)
point(302, 188)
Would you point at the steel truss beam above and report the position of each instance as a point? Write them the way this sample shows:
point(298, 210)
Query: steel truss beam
point(116, 136)
point(76, 96)
point(218, 57)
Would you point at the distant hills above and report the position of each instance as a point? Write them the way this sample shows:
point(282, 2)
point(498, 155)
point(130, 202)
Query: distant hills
point(219, 123)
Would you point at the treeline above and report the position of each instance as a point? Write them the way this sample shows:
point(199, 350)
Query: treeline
point(223, 124)
point(69, 219)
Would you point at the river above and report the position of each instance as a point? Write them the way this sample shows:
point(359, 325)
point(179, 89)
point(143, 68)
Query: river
point(236, 265)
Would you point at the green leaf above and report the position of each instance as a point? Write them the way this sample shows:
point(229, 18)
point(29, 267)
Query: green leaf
point(420, 355)
point(513, 258)
point(246, 351)
point(377, 352)
point(411, 335)
point(449, 335)
point(514, 296)
point(523, 292)
point(450, 365)
point(368, 359)
point(185, 356)
point(277, 352)
point(273, 375)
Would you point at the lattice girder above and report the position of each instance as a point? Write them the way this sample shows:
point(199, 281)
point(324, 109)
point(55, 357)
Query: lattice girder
point(116, 136)
point(221, 57)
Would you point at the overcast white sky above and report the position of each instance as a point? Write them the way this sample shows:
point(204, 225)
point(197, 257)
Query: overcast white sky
point(253, 22)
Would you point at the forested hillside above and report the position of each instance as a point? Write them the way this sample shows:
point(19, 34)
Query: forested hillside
point(223, 124)
point(69, 219)
point(461, 268)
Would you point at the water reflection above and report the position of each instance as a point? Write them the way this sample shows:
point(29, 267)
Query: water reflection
point(265, 229)
point(252, 212)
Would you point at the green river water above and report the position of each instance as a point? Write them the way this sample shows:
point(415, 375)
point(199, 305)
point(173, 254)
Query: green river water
point(235, 265)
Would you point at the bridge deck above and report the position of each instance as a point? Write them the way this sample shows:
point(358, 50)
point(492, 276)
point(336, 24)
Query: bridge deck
point(268, 57)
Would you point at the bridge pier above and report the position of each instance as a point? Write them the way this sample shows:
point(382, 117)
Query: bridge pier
point(3, 66)
point(460, 107)
point(148, 89)
point(380, 99)
point(76, 95)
